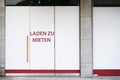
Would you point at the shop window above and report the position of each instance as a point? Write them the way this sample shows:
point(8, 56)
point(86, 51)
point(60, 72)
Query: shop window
point(106, 38)
point(42, 2)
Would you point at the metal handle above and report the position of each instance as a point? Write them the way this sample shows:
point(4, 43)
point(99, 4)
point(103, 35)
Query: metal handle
point(27, 48)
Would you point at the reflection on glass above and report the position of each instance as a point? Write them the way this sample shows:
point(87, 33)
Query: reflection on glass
point(23, 3)
point(42, 2)
point(106, 2)
point(66, 2)
point(36, 2)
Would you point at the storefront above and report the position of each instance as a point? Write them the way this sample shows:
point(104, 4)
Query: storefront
point(106, 38)
point(60, 38)
point(44, 36)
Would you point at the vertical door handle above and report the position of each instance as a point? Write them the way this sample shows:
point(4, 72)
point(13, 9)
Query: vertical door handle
point(27, 48)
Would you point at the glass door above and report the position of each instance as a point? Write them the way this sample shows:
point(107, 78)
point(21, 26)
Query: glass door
point(106, 38)
point(42, 40)
point(42, 37)
point(67, 40)
point(17, 31)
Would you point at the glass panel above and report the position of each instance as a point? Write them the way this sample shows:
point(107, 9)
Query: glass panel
point(17, 29)
point(42, 40)
point(106, 41)
point(106, 2)
point(66, 2)
point(42, 2)
point(67, 41)
point(17, 2)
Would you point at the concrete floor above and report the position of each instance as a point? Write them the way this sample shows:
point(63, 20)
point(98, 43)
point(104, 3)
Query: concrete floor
point(59, 78)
